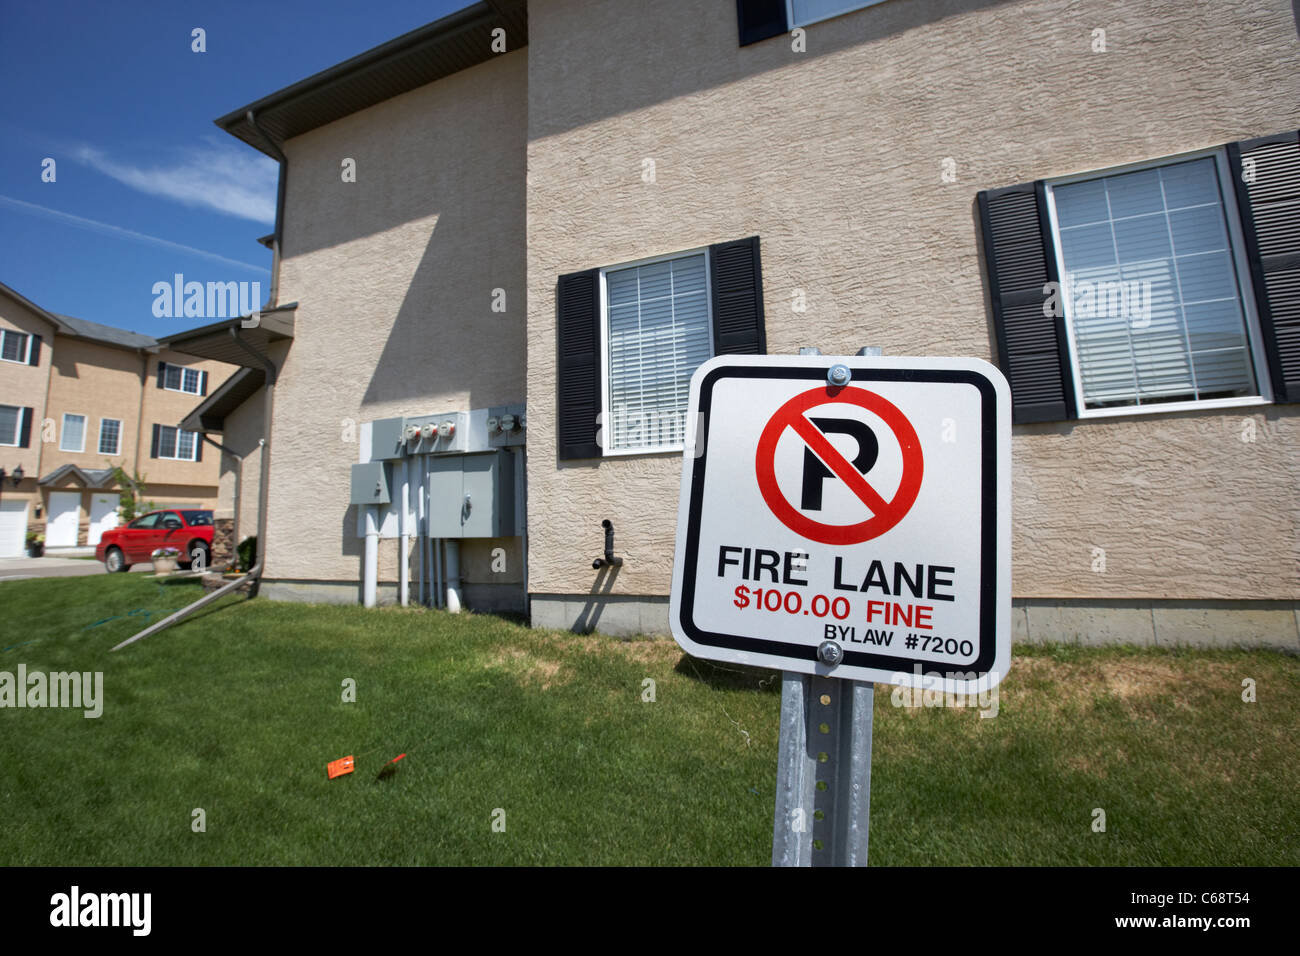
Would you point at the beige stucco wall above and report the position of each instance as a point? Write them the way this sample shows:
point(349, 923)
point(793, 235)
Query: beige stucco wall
point(834, 158)
point(394, 275)
point(243, 431)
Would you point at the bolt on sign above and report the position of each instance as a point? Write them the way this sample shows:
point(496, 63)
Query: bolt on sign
point(848, 517)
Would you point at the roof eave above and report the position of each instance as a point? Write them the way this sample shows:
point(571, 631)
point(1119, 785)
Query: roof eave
point(362, 81)
point(214, 341)
point(60, 326)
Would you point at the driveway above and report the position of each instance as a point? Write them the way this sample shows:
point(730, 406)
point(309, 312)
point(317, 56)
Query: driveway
point(16, 569)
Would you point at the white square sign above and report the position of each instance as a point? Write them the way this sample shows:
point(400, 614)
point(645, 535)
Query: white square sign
point(857, 530)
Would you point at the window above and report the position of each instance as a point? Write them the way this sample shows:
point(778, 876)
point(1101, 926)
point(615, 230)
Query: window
point(110, 436)
point(656, 332)
point(10, 418)
point(74, 433)
point(1152, 287)
point(803, 12)
point(628, 338)
point(177, 378)
point(14, 346)
point(176, 443)
point(146, 521)
point(198, 519)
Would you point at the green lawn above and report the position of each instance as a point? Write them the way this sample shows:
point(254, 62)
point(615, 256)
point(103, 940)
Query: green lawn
point(238, 710)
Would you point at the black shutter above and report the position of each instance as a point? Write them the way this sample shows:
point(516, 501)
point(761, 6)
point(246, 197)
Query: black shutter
point(162, 374)
point(34, 357)
point(579, 382)
point(737, 277)
point(25, 428)
point(1270, 220)
point(198, 443)
point(760, 19)
point(1032, 347)
point(153, 448)
point(203, 383)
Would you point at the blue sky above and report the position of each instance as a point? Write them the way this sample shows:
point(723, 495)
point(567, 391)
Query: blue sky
point(146, 186)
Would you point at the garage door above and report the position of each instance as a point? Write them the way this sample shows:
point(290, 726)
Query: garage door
point(103, 515)
point(65, 513)
point(13, 528)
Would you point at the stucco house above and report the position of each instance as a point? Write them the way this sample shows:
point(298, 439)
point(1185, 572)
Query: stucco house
point(512, 234)
point(78, 399)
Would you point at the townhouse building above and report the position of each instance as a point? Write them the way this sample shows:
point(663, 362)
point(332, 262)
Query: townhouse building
point(79, 399)
point(511, 236)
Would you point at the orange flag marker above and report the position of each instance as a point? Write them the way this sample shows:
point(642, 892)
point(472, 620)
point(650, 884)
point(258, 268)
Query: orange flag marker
point(388, 769)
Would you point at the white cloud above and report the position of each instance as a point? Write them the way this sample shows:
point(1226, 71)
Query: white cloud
point(110, 230)
point(228, 180)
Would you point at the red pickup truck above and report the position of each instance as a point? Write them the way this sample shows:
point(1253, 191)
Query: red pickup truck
point(187, 530)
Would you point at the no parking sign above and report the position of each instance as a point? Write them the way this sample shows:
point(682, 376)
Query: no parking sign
point(869, 518)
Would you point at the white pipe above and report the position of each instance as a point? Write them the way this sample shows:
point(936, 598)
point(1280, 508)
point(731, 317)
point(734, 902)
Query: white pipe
point(372, 556)
point(404, 556)
point(427, 543)
point(453, 575)
point(435, 578)
point(420, 523)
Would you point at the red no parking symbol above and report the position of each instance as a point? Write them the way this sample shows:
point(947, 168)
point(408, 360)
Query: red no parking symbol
point(884, 514)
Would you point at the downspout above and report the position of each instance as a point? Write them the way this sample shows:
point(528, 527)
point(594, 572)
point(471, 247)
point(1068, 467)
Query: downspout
point(139, 415)
point(255, 572)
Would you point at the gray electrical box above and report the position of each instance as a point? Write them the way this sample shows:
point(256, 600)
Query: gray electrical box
point(472, 496)
point(370, 484)
point(498, 416)
point(386, 438)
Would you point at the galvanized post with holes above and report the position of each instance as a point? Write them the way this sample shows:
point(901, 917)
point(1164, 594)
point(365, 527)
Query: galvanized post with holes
point(823, 775)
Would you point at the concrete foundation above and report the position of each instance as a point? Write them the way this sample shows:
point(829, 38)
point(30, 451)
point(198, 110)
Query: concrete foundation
point(477, 597)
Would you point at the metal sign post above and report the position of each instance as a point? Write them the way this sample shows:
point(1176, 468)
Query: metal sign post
point(823, 766)
point(823, 772)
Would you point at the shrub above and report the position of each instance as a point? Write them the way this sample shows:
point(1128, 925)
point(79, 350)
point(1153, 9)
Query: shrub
point(247, 552)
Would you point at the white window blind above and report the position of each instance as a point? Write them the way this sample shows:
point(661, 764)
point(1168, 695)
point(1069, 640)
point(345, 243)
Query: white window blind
point(1150, 288)
point(74, 433)
point(659, 334)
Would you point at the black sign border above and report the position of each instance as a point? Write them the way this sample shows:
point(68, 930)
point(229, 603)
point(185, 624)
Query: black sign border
point(988, 519)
